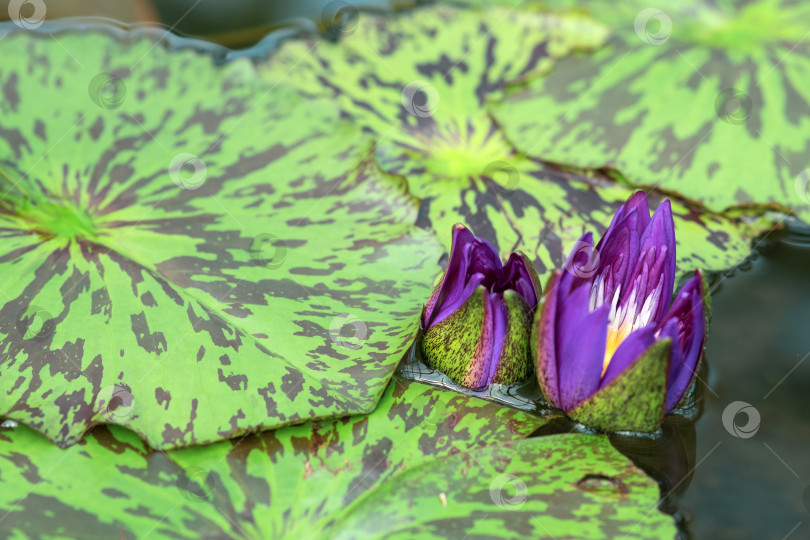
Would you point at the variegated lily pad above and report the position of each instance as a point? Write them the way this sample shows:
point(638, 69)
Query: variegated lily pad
point(189, 252)
point(426, 462)
point(710, 100)
point(420, 83)
point(547, 209)
point(561, 486)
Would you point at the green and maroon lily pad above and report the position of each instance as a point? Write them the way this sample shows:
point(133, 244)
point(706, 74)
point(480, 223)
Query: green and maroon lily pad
point(710, 100)
point(280, 483)
point(426, 462)
point(560, 486)
point(420, 82)
point(189, 252)
point(545, 210)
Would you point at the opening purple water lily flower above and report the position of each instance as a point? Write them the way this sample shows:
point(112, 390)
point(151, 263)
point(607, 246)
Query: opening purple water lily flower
point(477, 322)
point(612, 350)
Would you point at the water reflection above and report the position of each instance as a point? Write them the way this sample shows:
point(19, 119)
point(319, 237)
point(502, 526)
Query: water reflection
point(753, 438)
point(526, 397)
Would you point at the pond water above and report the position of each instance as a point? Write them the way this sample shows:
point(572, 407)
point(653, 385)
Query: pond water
point(757, 484)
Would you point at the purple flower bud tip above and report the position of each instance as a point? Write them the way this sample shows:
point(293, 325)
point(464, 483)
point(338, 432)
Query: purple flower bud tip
point(610, 349)
point(477, 322)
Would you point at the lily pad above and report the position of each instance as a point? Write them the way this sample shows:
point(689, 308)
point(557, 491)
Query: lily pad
point(710, 100)
point(419, 81)
point(423, 93)
point(426, 460)
point(281, 483)
point(189, 252)
point(560, 486)
point(550, 208)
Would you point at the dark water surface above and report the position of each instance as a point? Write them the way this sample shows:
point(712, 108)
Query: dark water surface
point(756, 484)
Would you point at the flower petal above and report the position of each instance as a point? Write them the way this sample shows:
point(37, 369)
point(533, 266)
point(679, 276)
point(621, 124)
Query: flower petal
point(454, 276)
point(495, 312)
point(473, 261)
point(653, 278)
point(543, 341)
point(685, 324)
point(521, 276)
point(616, 258)
point(619, 247)
point(635, 208)
point(633, 346)
point(578, 267)
point(455, 298)
point(581, 340)
point(483, 259)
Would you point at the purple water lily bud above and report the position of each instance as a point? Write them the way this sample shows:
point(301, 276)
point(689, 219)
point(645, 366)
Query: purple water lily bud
point(611, 349)
point(477, 322)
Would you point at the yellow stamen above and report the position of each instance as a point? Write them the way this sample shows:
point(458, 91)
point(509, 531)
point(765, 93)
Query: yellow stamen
point(615, 336)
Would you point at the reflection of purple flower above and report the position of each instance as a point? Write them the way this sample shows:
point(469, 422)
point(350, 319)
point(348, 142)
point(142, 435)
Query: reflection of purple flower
point(611, 351)
point(477, 321)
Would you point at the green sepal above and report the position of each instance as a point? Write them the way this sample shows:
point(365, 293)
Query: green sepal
point(457, 344)
point(515, 361)
point(635, 400)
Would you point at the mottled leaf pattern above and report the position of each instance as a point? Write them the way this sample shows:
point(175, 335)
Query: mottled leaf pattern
point(277, 277)
point(419, 82)
point(561, 486)
point(364, 476)
point(423, 93)
point(548, 209)
point(278, 484)
point(461, 56)
point(706, 98)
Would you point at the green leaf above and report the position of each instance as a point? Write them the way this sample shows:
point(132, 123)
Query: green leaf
point(419, 81)
point(298, 481)
point(189, 252)
point(545, 210)
point(708, 100)
point(563, 486)
point(455, 158)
